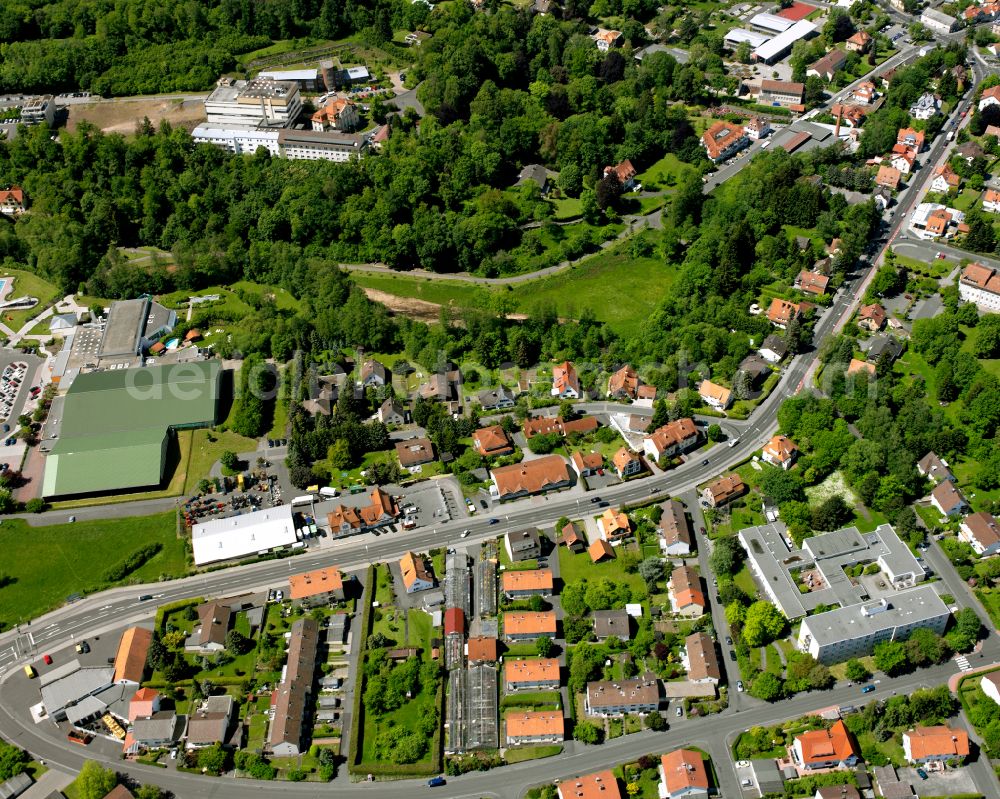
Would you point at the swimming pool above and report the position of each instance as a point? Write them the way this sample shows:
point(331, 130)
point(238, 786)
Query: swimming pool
point(172, 344)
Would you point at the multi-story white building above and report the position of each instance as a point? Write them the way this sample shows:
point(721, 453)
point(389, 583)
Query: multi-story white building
point(854, 631)
point(980, 284)
point(308, 145)
point(260, 101)
point(38, 110)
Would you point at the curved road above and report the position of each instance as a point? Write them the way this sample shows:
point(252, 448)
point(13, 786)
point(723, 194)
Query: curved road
point(111, 609)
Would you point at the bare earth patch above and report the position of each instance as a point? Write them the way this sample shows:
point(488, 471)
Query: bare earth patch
point(121, 116)
point(421, 310)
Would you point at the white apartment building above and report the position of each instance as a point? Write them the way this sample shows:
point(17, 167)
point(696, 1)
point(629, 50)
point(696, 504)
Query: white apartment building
point(980, 284)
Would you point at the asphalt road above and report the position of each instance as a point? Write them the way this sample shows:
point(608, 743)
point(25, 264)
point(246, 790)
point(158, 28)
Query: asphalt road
point(112, 609)
point(715, 734)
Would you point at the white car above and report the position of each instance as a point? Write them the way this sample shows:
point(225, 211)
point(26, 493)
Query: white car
point(465, 533)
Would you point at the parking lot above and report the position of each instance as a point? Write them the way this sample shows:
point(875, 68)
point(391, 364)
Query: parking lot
point(954, 782)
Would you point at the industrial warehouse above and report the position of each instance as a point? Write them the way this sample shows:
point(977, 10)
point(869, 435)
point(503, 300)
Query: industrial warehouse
point(117, 425)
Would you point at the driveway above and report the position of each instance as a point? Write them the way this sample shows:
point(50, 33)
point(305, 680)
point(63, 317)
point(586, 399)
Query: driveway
point(954, 782)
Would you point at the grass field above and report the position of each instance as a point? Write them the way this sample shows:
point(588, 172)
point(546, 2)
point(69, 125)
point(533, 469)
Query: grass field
point(519, 755)
point(48, 564)
point(664, 173)
point(620, 290)
point(27, 284)
point(206, 448)
point(990, 598)
point(577, 566)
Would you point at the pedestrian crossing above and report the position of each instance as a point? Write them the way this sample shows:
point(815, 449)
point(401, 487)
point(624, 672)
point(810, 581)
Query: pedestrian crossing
point(963, 662)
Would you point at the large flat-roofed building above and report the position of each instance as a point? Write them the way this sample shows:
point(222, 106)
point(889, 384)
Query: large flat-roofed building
point(736, 36)
point(237, 139)
point(781, 45)
point(117, 425)
point(261, 101)
point(133, 326)
point(64, 686)
point(240, 536)
point(39, 109)
point(820, 565)
point(854, 631)
point(312, 145)
point(305, 79)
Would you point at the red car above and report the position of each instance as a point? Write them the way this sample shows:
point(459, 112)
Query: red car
point(47, 659)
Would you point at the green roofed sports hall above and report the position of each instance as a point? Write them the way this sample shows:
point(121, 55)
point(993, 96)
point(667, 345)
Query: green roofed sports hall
point(117, 424)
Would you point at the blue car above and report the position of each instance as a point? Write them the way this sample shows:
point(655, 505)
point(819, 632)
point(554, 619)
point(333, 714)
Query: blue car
point(922, 774)
point(435, 782)
point(494, 521)
point(867, 689)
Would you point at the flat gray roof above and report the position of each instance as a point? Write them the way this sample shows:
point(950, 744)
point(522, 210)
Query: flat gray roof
point(915, 605)
point(75, 686)
point(784, 40)
point(773, 559)
point(123, 328)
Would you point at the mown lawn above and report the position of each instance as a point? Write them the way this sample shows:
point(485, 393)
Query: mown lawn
point(207, 447)
point(664, 173)
point(519, 755)
point(577, 566)
point(47, 564)
point(27, 284)
point(619, 289)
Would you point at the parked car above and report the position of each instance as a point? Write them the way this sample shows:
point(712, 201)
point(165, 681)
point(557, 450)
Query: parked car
point(729, 640)
point(739, 686)
point(435, 782)
point(680, 711)
point(922, 774)
point(732, 655)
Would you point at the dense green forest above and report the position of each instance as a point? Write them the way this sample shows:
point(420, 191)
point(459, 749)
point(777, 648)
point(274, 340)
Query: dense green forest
point(115, 47)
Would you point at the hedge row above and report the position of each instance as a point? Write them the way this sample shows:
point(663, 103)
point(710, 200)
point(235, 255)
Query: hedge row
point(133, 562)
point(165, 610)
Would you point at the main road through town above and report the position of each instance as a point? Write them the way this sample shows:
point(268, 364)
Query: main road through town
point(116, 607)
point(111, 609)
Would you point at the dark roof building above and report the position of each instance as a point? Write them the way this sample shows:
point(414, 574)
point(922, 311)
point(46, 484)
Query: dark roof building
point(291, 708)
